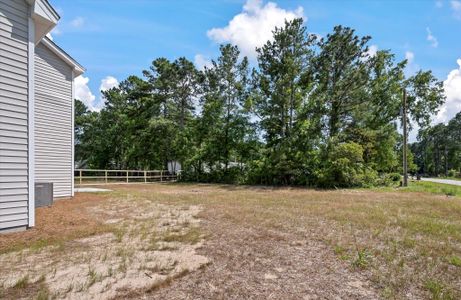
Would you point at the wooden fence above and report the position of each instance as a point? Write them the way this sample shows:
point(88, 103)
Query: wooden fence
point(98, 177)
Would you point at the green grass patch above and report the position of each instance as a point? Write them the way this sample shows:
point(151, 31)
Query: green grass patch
point(433, 188)
point(22, 283)
point(438, 290)
point(455, 261)
point(192, 236)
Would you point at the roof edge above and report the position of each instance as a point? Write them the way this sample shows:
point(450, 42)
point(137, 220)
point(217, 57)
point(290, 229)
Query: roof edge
point(77, 68)
point(52, 10)
point(48, 7)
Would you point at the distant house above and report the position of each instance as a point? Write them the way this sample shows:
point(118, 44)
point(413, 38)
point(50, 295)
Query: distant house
point(36, 110)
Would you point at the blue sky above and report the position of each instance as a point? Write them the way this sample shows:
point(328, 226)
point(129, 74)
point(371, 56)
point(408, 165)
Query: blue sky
point(113, 39)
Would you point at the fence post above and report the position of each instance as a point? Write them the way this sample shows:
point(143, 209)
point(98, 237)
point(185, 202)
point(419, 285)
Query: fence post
point(161, 174)
point(80, 177)
point(126, 176)
point(145, 176)
point(105, 176)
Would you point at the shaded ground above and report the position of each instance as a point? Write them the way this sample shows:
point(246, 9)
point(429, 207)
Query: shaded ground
point(180, 241)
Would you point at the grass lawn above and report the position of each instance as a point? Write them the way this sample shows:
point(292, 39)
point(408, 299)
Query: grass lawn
point(434, 188)
point(181, 241)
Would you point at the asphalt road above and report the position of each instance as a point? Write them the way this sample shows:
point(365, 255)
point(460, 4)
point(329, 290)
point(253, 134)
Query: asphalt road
point(446, 181)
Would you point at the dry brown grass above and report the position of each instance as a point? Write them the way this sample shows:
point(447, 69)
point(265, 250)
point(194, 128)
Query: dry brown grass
point(407, 244)
point(24, 289)
point(272, 243)
point(66, 220)
point(98, 245)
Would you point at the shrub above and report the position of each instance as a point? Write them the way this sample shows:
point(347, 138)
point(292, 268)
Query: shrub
point(452, 173)
point(390, 179)
point(345, 168)
point(394, 177)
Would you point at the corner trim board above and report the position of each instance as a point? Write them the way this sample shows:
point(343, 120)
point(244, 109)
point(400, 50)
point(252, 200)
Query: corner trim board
point(31, 122)
point(72, 135)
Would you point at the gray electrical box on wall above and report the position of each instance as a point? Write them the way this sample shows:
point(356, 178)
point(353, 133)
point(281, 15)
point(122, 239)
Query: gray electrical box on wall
point(43, 194)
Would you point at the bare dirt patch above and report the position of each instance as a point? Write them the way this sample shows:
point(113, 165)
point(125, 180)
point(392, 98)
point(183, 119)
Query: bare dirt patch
point(146, 244)
point(362, 243)
point(252, 262)
point(185, 241)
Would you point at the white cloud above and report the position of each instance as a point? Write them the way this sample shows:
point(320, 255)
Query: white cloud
point(456, 7)
point(412, 67)
point(83, 92)
point(108, 83)
point(409, 56)
point(431, 38)
point(78, 22)
point(201, 62)
point(372, 50)
point(452, 86)
point(56, 31)
point(254, 25)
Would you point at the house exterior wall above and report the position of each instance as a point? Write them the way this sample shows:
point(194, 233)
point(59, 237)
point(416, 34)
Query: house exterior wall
point(53, 121)
point(14, 135)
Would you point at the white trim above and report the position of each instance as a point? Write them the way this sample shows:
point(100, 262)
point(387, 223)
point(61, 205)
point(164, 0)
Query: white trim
point(73, 137)
point(31, 122)
point(44, 16)
point(49, 10)
point(77, 69)
point(46, 8)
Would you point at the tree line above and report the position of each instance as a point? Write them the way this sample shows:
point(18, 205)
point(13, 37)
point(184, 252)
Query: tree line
point(438, 150)
point(316, 111)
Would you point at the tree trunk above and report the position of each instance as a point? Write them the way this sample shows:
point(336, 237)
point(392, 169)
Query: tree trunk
point(334, 118)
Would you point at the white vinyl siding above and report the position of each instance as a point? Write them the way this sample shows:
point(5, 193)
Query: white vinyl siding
point(53, 121)
point(13, 113)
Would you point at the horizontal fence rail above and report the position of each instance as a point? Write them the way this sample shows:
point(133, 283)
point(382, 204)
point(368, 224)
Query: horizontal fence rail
point(100, 177)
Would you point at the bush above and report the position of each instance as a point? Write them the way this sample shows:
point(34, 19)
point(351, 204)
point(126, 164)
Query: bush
point(452, 173)
point(390, 179)
point(394, 177)
point(345, 168)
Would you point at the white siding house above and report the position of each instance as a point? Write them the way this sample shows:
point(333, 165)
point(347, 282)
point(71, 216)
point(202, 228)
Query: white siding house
point(36, 110)
point(53, 121)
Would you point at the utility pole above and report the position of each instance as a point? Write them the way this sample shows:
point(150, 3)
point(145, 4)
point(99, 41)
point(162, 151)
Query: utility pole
point(404, 121)
point(446, 161)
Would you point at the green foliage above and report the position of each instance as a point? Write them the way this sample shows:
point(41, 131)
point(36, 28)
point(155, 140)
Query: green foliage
point(318, 112)
point(455, 261)
point(345, 167)
point(438, 150)
point(452, 173)
point(438, 290)
point(362, 260)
